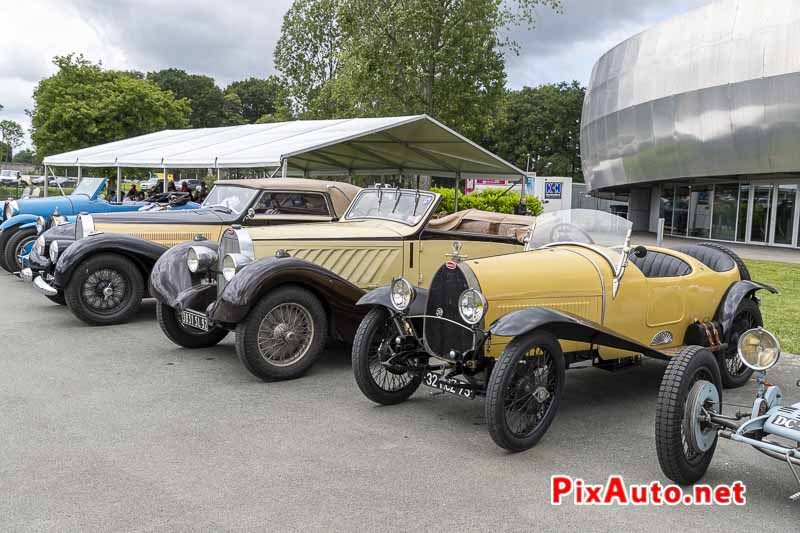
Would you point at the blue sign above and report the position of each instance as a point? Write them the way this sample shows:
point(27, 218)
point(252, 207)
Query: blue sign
point(552, 190)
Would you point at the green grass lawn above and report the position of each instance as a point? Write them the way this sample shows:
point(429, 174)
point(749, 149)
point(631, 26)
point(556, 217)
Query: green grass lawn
point(782, 311)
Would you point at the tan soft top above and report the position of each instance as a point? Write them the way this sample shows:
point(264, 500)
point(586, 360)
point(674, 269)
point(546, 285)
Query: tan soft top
point(477, 221)
point(341, 193)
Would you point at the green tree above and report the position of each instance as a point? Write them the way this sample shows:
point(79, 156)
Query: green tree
point(308, 52)
point(260, 97)
point(207, 101)
point(12, 136)
point(83, 105)
point(24, 156)
point(545, 123)
point(440, 57)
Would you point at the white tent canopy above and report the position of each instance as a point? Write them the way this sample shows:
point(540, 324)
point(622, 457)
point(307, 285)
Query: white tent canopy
point(392, 145)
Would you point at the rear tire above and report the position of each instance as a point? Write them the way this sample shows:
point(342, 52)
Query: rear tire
point(4, 236)
point(14, 245)
point(525, 390)
point(284, 335)
point(678, 461)
point(185, 336)
point(86, 292)
point(735, 373)
point(394, 387)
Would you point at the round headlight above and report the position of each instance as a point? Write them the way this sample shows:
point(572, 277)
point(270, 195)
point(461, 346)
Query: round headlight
point(233, 263)
point(39, 245)
point(402, 294)
point(11, 209)
point(759, 349)
point(200, 259)
point(53, 252)
point(471, 306)
point(40, 224)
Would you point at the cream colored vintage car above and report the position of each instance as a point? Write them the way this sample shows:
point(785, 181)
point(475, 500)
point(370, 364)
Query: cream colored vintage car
point(286, 290)
point(507, 327)
point(100, 265)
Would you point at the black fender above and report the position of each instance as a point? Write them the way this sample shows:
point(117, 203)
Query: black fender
point(566, 326)
point(733, 297)
point(381, 297)
point(143, 253)
point(255, 280)
point(170, 277)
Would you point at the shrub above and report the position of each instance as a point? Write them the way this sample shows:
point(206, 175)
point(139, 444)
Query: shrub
point(486, 200)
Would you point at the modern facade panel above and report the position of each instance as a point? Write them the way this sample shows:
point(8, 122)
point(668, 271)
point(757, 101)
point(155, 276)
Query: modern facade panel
point(702, 112)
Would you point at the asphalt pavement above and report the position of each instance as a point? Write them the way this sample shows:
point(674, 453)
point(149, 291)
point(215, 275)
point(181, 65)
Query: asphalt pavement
point(116, 429)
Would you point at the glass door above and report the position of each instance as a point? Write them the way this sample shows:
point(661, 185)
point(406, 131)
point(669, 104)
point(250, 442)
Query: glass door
point(760, 219)
point(785, 207)
point(680, 215)
point(726, 199)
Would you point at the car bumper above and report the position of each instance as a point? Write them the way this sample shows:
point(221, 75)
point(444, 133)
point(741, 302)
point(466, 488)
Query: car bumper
point(42, 286)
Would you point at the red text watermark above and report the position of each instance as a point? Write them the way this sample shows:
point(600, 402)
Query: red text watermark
point(566, 489)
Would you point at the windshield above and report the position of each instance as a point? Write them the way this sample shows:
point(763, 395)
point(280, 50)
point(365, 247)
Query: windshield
point(585, 226)
point(89, 186)
point(237, 199)
point(398, 205)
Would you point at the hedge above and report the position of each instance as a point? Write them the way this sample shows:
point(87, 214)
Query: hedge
point(486, 200)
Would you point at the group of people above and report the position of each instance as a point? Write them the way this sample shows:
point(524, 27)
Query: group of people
point(136, 195)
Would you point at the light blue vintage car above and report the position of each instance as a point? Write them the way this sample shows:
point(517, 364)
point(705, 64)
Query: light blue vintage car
point(19, 229)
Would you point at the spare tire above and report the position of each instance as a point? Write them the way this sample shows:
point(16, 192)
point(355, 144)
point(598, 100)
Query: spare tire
point(743, 272)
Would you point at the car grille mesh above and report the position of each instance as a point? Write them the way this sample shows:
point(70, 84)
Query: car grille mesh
point(440, 335)
point(168, 238)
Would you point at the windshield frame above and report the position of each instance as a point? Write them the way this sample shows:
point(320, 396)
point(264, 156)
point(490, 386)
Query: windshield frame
point(254, 194)
point(424, 216)
point(100, 181)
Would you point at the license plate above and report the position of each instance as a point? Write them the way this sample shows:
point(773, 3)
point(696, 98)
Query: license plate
point(195, 320)
point(436, 381)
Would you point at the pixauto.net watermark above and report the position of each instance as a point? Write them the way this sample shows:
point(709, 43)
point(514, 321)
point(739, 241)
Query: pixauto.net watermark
point(566, 489)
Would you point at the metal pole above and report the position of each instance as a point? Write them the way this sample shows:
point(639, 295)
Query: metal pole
point(217, 174)
point(165, 180)
point(119, 184)
point(285, 168)
point(45, 181)
point(458, 180)
point(660, 234)
point(80, 174)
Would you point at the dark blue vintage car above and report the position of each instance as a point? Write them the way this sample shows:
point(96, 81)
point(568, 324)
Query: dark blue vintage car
point(18, 230)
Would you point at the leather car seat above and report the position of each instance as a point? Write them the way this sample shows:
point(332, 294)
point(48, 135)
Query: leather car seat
point(661, 265)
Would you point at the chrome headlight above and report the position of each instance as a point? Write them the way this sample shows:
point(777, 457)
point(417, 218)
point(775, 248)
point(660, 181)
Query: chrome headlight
point(402, 293)
point(53, 251)
point(200, 259)
point(11, 209)
point(759, 349)
point(471, 306)
point(233, 263)
point(40, 224)
point(84, 226)
point(39, 245)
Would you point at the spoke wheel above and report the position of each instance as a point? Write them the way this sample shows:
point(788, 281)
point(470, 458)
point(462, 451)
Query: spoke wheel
point(105, 289)
point(524, 391)
point(734, 372)
point(284, 334)
point(379, 374)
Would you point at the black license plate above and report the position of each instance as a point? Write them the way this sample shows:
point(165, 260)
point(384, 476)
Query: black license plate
point(436, 381)
point(195, 320)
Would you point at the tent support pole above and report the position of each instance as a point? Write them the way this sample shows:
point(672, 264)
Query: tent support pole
point(284, 168)
point(458, 181)
point(45, 181)
point(165, 180)
point(119, 183)
point(218, 173)
point(80, 173)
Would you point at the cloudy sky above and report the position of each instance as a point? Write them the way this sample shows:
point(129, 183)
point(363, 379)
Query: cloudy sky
point(235, 39)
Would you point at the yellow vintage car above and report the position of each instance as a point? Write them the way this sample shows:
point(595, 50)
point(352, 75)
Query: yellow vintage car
point(507, 327)
point(100, 265)
point(285, 290)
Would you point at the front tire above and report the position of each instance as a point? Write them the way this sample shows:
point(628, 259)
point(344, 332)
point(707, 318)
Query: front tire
point(524, 391)
point(104, 290)
point(379, 383)
point(14, 246)
point(734, 372)
point(58, 298)
point(284, 335)
point(680, 460)
point(183, 335)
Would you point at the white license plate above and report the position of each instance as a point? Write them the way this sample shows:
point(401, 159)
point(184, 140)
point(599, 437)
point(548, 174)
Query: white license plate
point(436, 381)
point(195, 320)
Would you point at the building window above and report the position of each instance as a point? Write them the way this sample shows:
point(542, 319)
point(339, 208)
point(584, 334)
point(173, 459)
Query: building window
point(744, 203)
point(667, 201)
point(726, 199)
point(784, 213)
point(762, 200)
point(680, 216)
point(700, 211)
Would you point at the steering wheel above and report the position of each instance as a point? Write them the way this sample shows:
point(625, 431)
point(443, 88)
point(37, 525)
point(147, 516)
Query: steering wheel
point(566, 232)
point(179, 198)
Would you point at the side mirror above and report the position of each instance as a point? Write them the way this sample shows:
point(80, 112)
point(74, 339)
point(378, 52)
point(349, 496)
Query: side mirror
point(639, 251)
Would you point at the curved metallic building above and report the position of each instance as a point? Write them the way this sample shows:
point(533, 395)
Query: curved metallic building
point(709, 95)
